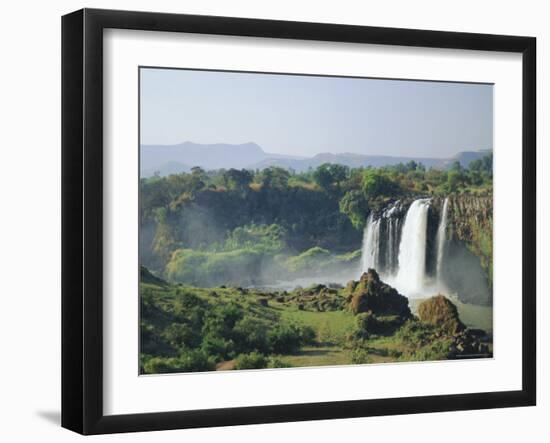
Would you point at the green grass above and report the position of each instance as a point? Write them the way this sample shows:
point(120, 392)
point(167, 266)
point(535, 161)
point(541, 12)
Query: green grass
point(318, 356)
point(331, 326)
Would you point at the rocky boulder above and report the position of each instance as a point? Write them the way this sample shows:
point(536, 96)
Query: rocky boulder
point(372, 294)
point(441, 312)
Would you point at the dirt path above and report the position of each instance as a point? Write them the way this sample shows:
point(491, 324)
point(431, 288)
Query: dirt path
point(227, 365)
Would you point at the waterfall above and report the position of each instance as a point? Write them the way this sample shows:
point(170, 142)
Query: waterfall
point(390, 218)
point(395, 243)
point(412, 248)
point(380, 239)
point(390, 246)
point(371, 244)
point(441, 238)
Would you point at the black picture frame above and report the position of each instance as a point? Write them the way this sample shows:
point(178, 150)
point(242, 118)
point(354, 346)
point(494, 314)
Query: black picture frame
point(82, 218)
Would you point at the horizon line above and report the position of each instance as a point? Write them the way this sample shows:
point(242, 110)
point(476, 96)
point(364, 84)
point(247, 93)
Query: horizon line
point(308, 157)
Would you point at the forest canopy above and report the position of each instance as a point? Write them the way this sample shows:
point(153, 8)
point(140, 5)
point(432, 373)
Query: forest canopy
point(206, 227)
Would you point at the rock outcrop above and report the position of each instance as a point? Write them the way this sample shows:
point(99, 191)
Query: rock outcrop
point(441, 312)
point(372, 294)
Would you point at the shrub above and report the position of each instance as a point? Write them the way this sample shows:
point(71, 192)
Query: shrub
point(254, 360)
point(250, 334)
point(368, 324)
point(188, 361)
point(274, 362)
point(266, 238)
point(217, 347)
point(435, 350)
point(195, 361)
point(415, 332)
point(221, 319)
point(359, 356)
point(180, 336)
point(286, 338)
point(376, 183)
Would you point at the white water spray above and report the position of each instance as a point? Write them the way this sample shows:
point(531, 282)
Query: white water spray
point(412, 249)
point(371, 244)
point(441, 238)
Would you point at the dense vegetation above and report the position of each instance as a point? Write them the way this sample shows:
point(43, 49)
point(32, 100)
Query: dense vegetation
point(188, 329)
point(242, 227)
point(214, 239)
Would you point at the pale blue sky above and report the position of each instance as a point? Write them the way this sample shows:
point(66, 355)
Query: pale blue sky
point(305, 115)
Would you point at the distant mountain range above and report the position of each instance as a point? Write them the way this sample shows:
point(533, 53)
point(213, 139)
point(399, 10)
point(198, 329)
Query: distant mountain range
point(173, 159)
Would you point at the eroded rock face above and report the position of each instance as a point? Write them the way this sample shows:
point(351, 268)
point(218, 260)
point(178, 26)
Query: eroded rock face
point(372, 294)
point(441, 312)
point(471, 249)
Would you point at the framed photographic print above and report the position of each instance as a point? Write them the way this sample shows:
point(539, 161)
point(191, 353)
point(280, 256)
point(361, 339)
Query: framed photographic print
point(270, 221)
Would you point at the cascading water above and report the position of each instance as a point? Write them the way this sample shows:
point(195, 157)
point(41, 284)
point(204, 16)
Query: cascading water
point(412, 249)
point(380, 241)
point(391, 232)
point(395, 243)
point(441, 238)
point(371, 244)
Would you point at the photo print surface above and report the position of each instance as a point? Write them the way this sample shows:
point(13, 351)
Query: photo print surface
point(291, 221)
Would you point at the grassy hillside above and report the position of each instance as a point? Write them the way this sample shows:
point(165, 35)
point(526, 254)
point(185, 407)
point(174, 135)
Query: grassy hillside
point(186, 328)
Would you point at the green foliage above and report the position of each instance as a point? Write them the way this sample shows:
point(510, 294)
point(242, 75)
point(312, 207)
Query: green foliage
point(215, 268)
point(187, 361)
point(188, 329)
point(164, 241)
point(355, 206)
point(360, 356)
point(252, 333)
point(454, 180)
point(330, 176)
point(309, 260)
point(366, 325)
point(416, 333)
point(238, 180)
point(254, 360)
point(196, 329)
point(318, 260)
point(377, 184)
point(274, 177)
point(241, 228)
point(274, 362)
point(432, 351)
point(267, 238)
point(286, 338)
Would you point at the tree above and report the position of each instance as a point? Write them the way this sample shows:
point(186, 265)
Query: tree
point(330, 175)
point(275, 177)
point(238, 180)
point(376, 183)
point(487, 163)
point(456, 166)
point(411, 165)
point(323, 177)
point(454, 179)
point(197, 179)
point(355, 206)
point(476, 165)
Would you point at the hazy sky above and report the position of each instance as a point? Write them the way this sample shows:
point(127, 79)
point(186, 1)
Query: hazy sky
point(304, 115)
